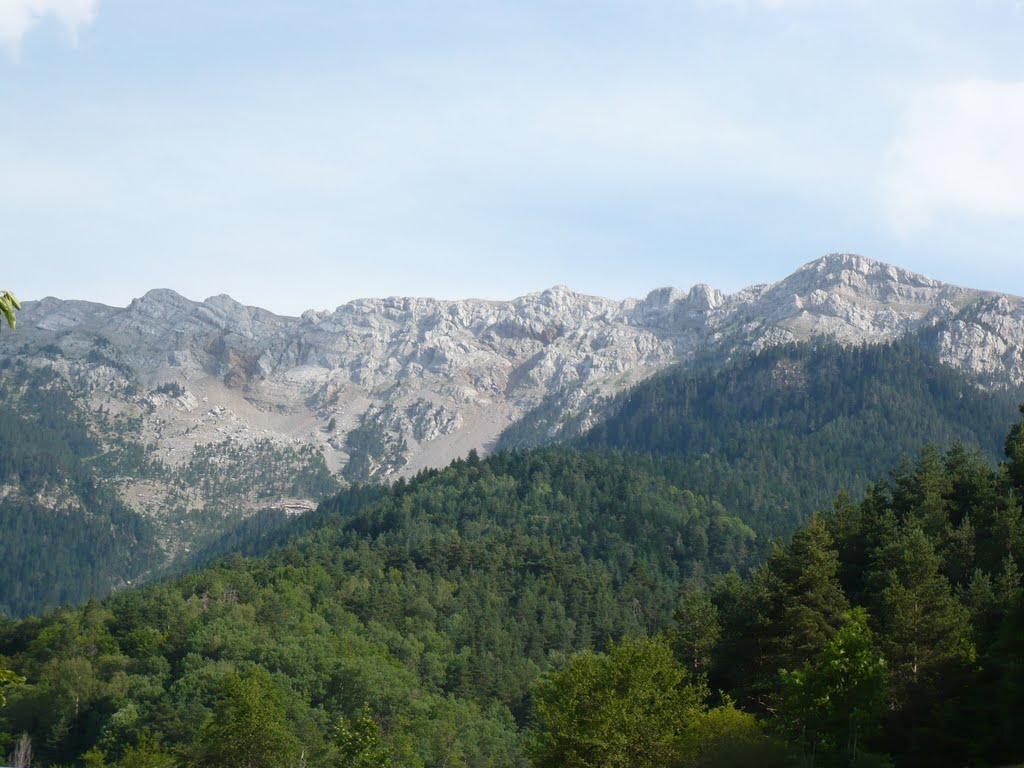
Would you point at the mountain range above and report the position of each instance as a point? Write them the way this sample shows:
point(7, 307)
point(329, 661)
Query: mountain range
point(201, 414)
point(409, 383)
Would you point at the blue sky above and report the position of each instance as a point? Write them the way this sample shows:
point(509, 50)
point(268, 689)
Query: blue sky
point(302, 154)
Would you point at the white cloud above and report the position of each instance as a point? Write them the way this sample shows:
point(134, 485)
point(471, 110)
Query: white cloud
point(18, 17)
point(959, 151)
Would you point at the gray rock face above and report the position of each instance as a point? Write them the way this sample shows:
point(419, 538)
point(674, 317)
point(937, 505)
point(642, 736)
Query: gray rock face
point(422, 381)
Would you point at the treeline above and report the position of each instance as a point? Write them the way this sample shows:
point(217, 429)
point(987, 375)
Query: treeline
point(776, 436)
point(66, 535)
point(261, 532)
point(231, 471)
point(209, 500)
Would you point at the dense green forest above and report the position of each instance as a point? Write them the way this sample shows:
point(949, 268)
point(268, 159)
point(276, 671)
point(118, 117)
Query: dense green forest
point(775, 436)
point(552, 607)
point(64, 536)
point(617, 602)
point(430, 611)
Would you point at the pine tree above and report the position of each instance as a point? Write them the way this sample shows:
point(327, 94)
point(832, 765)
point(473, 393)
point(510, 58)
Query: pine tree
point(925, 629)
point(812, 604)
point(1014, 448)
point(695, 630)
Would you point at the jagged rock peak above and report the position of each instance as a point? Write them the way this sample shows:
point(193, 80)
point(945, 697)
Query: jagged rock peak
point(562, 296)
point(560, 289)
point(705, 297)
point(439, 376)
point(160, 297)
point(231, 308)
point(224, 301)
point(662, 297)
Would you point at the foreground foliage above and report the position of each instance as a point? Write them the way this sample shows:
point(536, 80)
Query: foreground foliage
point(627, 709)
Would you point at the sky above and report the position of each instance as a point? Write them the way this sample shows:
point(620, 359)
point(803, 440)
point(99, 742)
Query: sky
point(302, 154)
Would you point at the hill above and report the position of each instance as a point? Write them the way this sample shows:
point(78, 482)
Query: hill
point(435, 607)
point(212, 417)
point(775, 436)
point(79, 493)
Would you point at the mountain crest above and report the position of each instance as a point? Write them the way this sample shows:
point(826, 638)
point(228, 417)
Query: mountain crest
point(418, 381)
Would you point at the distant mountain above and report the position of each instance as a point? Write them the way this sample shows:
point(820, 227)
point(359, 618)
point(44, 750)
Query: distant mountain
point(228, 411)
point(387, 386)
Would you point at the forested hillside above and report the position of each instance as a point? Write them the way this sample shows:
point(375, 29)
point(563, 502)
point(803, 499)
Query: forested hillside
point(559, 608)
point(86, 505)
point(891, 626)
point(64, 535)
point(775, 436)
point(434, 608)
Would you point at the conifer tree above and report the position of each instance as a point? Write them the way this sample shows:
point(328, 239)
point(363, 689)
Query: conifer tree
point(812, 604)
point(695, 630)
point(1014, 448)
point(926, 630)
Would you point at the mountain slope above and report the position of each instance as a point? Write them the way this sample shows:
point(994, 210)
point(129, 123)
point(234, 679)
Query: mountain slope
point(776, 436)
point(409, 631)
point(402, 383)
point(64, 536)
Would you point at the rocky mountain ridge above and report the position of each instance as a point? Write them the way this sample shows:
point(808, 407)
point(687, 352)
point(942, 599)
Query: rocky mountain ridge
point(388, 386)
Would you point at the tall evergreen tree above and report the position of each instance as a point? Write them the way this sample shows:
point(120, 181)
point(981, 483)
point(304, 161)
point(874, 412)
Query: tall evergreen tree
point(1014, 448)
point(695, 630)
point(812, 604)
point(925, 628)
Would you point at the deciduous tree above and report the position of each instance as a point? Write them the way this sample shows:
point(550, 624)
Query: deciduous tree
point(626, 709)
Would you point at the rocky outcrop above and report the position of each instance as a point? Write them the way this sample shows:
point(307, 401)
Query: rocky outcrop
point(431, 379)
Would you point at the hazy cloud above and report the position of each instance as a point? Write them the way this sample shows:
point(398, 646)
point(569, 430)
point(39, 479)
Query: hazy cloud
point(772, 5)
point(18, 17)
point(959, 150)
